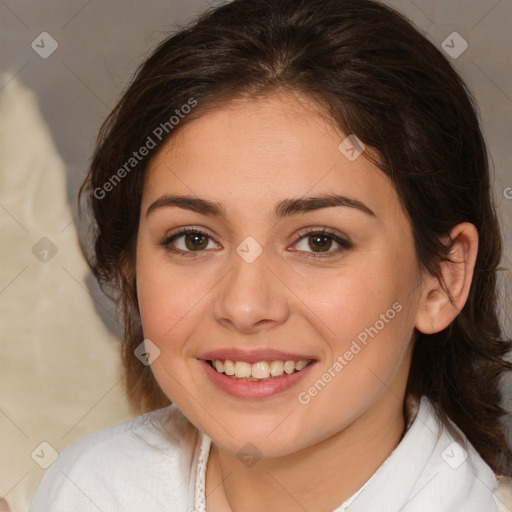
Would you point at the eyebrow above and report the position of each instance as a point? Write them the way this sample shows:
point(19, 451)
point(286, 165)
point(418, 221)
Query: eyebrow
point(284, 208)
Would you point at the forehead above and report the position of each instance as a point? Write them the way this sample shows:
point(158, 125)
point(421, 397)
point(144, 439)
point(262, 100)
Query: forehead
point(251, 153)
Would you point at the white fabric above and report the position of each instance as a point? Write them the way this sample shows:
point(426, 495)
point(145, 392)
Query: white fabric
point(140, 466)
point(60, 365)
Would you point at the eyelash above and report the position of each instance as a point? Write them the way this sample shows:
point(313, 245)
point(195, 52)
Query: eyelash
point(343, 243)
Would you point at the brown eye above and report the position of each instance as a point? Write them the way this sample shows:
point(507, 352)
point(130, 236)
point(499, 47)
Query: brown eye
point(314, 243)
point(196, 241)
point(187, 242)
point(320, 242)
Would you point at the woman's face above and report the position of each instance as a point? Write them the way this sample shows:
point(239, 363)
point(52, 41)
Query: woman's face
point(262, 277)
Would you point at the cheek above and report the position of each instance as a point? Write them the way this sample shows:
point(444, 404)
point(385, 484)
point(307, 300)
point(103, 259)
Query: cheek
point(170, 305)
point(344, 304)
point(168, 301)
point(365, 316)
point(366, 330)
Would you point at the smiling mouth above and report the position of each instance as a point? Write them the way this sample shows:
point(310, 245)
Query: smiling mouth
point(260, 371)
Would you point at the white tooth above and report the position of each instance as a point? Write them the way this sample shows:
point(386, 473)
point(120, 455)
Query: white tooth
point(242, 369)
point(229, 367)
point(276, 368)
point(299, 365)
point(260, 370)
point(289, 366)
point(218, 365)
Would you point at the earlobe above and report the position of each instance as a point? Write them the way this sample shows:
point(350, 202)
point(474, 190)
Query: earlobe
point(444, 296)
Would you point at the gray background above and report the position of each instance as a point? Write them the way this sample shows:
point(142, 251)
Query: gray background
point(100, 46)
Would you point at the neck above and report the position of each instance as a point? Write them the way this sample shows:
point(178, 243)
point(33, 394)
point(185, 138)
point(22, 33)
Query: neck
point(319, 477)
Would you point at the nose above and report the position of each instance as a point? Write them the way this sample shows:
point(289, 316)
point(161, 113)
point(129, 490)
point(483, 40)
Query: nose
point(251, 298)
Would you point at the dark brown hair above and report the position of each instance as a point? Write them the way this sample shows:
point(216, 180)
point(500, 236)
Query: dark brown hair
point(377, 77)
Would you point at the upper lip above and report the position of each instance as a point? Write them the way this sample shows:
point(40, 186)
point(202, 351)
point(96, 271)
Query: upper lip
point(254, 355)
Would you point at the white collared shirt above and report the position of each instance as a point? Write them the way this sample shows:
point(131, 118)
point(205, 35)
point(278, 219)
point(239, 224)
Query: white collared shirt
point(157, 462)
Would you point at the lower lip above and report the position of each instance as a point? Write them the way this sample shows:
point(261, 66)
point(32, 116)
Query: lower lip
point(254, 389)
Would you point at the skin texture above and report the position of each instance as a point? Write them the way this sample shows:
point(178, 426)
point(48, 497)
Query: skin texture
point(248, 155)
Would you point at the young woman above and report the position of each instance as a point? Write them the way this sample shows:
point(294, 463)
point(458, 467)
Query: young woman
point(292, 202)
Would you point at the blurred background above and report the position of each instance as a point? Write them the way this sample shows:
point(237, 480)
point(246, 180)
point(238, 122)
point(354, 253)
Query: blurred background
point(63, 65)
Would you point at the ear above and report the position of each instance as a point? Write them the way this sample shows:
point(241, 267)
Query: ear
point(436, 309)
